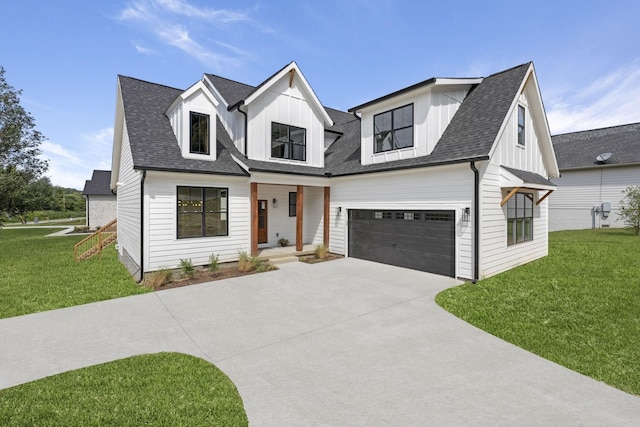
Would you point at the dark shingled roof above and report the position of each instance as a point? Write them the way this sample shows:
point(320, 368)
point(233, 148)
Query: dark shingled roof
point(580, 149)
point(469, 136)
point(153, 143)
point(98, 184)
point(530, 177)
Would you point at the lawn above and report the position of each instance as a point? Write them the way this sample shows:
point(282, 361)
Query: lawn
point(579, 306)
point(165, 389)
point(37, 273)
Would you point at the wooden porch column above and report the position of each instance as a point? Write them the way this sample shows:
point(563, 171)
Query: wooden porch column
point(254, 219)
point(299, 202)
point(327, 212)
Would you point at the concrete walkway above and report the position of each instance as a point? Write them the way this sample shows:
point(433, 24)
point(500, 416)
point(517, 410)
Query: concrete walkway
point(342, 343)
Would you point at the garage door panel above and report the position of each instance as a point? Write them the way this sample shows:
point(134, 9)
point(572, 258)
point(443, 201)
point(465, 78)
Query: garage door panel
point(421, 240)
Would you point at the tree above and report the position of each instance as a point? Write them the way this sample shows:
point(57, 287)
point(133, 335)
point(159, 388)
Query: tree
point(630, 208)
point(19, 151)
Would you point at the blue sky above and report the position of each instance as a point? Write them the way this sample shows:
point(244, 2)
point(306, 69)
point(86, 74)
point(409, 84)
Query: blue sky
point(66, 54)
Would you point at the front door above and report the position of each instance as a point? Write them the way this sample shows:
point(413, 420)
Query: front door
point(262, 221)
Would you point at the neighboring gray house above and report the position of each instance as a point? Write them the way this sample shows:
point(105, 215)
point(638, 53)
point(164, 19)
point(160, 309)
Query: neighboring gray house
point(449, 175)
point(101, 201)
point(595, 167)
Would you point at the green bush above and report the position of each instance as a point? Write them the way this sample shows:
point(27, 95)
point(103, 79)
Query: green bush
point(187, 268)
point(214, 263)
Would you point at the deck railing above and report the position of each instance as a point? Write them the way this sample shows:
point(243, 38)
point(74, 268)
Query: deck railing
point(94, 244)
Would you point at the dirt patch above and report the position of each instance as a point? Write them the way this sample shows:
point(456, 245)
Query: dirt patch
point(204, 275)
point(311, 259)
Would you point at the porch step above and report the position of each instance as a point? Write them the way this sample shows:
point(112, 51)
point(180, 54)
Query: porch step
point(283, 259)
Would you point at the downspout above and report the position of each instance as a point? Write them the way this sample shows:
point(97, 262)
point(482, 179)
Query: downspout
point(246, 137)
point(144, 175)
point(476, 222)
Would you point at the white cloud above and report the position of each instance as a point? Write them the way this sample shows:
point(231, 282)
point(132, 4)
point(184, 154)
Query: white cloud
point(71, 168)
point(611, 100)
point(168, 20)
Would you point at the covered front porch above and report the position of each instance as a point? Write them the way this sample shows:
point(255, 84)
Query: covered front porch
point(296, 213)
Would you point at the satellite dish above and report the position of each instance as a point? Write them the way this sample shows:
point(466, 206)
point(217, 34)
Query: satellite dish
point(603, 157)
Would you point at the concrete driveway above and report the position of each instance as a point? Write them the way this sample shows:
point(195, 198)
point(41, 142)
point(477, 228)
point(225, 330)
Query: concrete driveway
point(342, 343)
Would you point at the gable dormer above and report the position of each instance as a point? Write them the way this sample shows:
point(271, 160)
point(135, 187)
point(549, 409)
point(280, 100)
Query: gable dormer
point(285, 120)
point(408, 123)
point(193, 118)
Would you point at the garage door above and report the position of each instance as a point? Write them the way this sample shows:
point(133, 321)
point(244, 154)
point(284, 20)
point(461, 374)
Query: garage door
point(421, 240)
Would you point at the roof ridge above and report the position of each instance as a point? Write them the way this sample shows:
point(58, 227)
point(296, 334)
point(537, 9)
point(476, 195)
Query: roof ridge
point(149, 82)
point(596, 129)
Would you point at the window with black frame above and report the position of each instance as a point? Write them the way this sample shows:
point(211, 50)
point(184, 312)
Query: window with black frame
point(288, 142)
point(393, 130)
point(293, 200)
point(202, 212)
point(520, 218)
point(521, 126)
point(199, 140)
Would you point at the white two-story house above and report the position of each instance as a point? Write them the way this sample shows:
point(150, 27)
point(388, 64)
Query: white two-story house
point(448, 176)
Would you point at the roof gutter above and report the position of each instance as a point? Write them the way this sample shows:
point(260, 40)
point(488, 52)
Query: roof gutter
point(476, 221)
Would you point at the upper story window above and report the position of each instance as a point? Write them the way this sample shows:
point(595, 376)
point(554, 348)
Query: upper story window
point(521, 125)
point(199, 142)
point(520, 218)
point(288, 142)
point(393, 129)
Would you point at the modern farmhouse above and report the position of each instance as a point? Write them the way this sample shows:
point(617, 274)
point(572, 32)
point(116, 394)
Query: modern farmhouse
point(450, 175)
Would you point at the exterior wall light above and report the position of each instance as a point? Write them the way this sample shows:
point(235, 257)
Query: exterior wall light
point(275, 203)
point(466, 214)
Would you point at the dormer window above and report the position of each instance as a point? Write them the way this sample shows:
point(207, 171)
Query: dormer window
point(288, 142)
point(393, 129)
point(199, 143)
point(521, 126)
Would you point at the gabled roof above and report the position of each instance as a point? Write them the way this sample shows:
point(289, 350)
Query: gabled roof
point(98, 184)
point(233, 92)
point(470, 135)
point(153, 143)
point(579, 149)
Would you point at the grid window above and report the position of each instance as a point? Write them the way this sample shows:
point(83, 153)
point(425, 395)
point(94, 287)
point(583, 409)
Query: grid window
point(293, 200)
point(393, 129)
point(199, 143)
point(520, 218)
point(202, 212)
point(288, 142)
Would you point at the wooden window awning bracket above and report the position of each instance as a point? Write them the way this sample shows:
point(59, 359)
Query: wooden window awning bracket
point(548, 193)
point(291, 74)
point(508, 196)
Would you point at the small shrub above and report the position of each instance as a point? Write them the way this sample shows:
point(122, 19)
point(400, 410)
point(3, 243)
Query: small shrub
point(244, 262)
point(80, 228)
point(321, 252)
point(283, 242)
point(187, 268)
point(156, 279)
point(214, 263)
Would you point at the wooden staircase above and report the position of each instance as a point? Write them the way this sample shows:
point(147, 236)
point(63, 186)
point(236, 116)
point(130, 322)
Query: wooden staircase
point(93, 244)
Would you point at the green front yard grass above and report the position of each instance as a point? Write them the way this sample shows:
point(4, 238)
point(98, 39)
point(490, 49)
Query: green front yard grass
point(37, 273)
point(165, 389)
point(578, 307)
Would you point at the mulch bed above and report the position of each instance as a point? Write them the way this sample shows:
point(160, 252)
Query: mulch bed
point(311, 259)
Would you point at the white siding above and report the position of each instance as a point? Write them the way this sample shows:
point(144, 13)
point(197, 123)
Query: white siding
point(286, 105)
point(440, 188)
point(571, 205)
point(163, 248)
point(128, 202)
point(495, 255)
point(433, 109)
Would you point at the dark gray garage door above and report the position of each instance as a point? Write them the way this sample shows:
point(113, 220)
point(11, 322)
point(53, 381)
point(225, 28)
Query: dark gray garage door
point(421, 240)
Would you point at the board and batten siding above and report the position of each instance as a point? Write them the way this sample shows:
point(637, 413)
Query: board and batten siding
point(434, 188)
point(162, 247)
point(495, 255)
point(128, 204)
point(433, 109)
point(579, 191)
point(285, 105)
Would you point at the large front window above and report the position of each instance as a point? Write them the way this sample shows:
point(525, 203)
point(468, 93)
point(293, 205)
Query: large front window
point(520, 218)
point(202, 211)
point(393, 129)
point(288, 142)
point(199, 133)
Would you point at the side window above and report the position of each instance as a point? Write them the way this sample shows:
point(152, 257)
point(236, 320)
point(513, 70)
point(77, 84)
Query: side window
point(520, 218)
point(199, 141)
point(293, 197)
point(521, 126)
